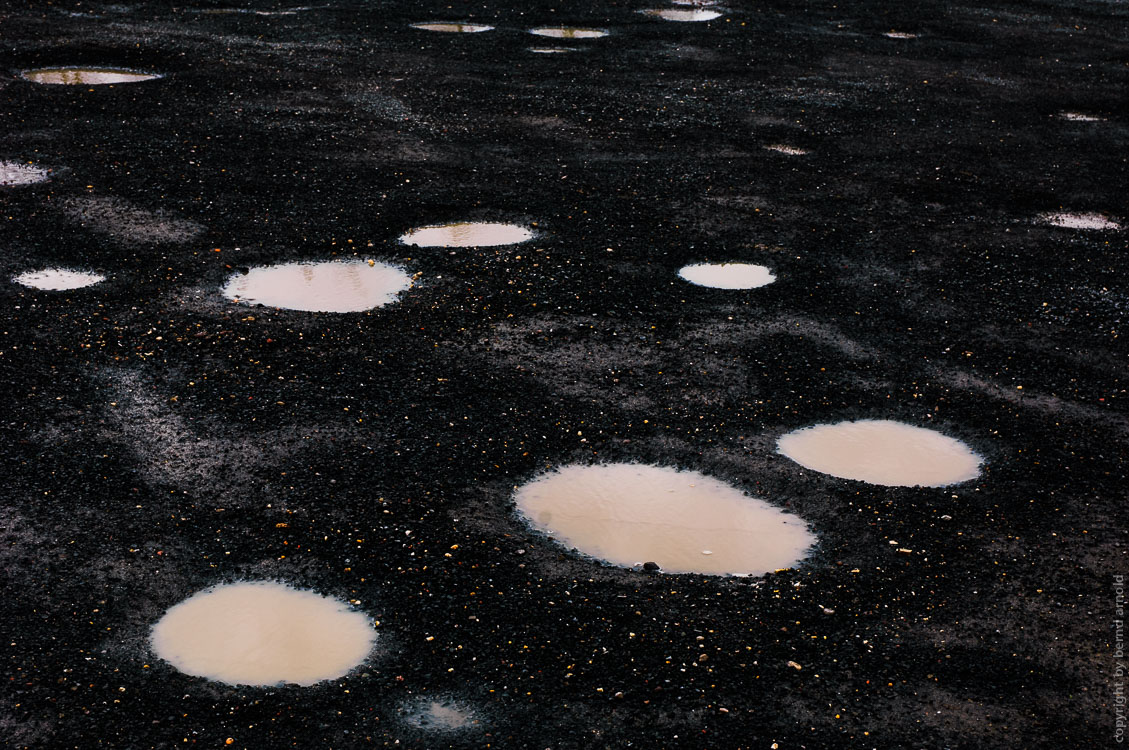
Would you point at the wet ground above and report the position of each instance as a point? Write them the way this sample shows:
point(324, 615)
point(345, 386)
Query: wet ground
point(161, 439)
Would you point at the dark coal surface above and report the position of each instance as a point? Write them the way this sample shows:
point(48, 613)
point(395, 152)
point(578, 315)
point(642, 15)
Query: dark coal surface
point(159, 439)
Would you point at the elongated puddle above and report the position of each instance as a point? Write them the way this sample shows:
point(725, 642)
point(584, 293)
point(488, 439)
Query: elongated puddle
point(678, 14)
point(1079, 221)
point(263, 633)
point(568, 32)
point(882, 452)
point(86, 76)
point(58, 279)
point(14, 173)
point(453, 28)
point(333, 286)
point(686, 522)
point(727, 275)
point(467, 234)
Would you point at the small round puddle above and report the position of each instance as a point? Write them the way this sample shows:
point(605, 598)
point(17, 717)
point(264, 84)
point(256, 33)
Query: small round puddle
point(263, 633)
point(453, 28)
point(467, 234)
point(678, 14)
point(13, 174)
point(58, 279)
point(569, 32)
point(883, 452)
point(332, 286)
point(1079, 221)
point(86, 76)
point(440, 716)
point(727, 275)
point(685, 522)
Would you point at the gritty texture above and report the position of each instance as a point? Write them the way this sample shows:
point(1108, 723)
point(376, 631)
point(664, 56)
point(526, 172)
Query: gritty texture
point(159, 439)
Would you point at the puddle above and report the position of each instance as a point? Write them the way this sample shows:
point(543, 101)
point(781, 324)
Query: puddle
point(1080, 117)
point(13, 173)
point(900, 35)
point(453, 28)
point(727, 275)
point(58, 279)
point(334, 286)
point(569, 32)
point(678, 14)
point(686, 522)
point(882, 452)
point(263, 633)
point(467, 234)
point(86, 76)
point(789, 150)
point(439, 716)
point(550, 50)
point(1079, 221)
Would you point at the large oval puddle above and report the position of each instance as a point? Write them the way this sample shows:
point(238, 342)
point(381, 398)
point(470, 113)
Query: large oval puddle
point(13, 174)
point(453, 28)
point(568, 32)
point(727, 275)
point(1080, 221)
point(263, 633)
point(332, 286)
point(58, 279)
point(685, 522)
point(467, 234)
point(882, 452)
point(86, 76)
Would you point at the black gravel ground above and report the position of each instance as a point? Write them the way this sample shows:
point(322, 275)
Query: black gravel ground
point(159, 439)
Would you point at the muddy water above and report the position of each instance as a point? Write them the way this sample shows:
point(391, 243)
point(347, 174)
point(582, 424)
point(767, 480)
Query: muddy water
point(1079, 221)
point(679, 14)
point(686, 522)
point(882, 452)
point(569, 32)
point(453, 28)
point(467, 234)
point(727, 275)
point(263, 633)
point(86, 76)
point(14, 173)
point(58, 279)
point(337, 287)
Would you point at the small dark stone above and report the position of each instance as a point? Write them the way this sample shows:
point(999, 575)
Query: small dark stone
point(651, 567)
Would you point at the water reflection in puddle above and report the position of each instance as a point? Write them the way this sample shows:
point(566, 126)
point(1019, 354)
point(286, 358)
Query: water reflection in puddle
point(86, 76)
point(1079, 221)
point(678, 14)
point(900, 35)
point(569, 32)
point(686, 522)
point(439, 715)
point(727, 275)
point(467, 234)
point(263, 633)
point(334, 286)
point(882, 452)
point(14, 173)
point(58, 279)
point(453, 28)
